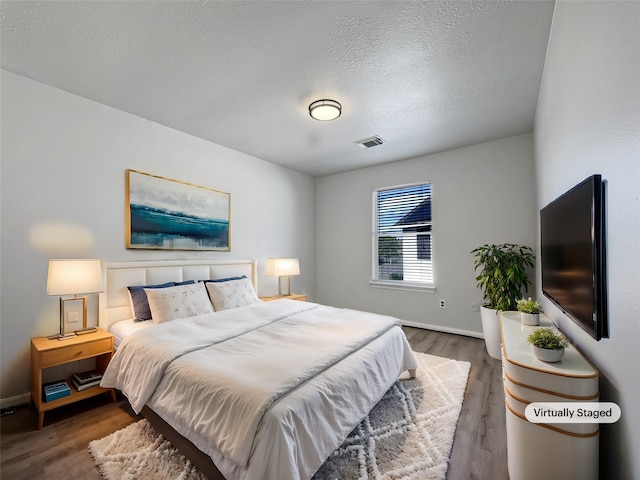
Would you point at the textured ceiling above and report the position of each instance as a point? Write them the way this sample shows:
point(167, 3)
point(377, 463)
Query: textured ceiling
point(425, 76)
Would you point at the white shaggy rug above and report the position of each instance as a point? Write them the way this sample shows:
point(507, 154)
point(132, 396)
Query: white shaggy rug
point(407, 435)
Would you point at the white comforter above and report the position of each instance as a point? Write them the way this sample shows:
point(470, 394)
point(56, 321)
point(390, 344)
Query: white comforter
point(231, 371)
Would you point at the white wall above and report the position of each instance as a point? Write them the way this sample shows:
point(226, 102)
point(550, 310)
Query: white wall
point(588, 121)
point(63, 170)
point(481, 194)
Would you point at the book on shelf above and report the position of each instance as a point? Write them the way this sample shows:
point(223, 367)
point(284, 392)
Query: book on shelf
point(56, 390)
point(84, 386)
point(82, 378)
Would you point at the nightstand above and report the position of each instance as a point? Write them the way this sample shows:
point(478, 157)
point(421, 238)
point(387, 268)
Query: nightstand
point(294, 296)
point(47, 353)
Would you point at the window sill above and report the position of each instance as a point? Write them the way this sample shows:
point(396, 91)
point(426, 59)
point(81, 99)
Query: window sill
point(415, 287)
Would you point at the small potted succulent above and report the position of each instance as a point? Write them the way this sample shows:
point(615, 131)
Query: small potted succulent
point(529, 311)
point(547, 345)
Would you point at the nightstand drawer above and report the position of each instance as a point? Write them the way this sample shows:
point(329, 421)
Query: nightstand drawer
point(69, 353)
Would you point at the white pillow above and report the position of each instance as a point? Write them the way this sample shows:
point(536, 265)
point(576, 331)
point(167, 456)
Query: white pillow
point(182, 301)
point(232, 294)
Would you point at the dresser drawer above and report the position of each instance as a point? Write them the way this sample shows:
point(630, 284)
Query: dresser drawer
point(69, 353)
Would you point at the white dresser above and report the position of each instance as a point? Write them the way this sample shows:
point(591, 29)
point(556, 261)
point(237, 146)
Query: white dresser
point(550, 451)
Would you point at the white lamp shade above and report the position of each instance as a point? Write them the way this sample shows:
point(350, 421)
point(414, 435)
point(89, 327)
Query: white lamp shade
point(74, 277)
point(280, 267)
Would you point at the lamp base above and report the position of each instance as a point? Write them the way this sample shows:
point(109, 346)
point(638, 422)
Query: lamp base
point(61, 336)
point(84, 331)
point(280, 292)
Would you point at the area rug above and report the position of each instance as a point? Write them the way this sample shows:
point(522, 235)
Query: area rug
point(407, 435)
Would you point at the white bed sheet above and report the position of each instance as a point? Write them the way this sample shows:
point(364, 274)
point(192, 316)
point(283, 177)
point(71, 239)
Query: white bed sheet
point(124, 328)
point(293, 440)
point(301, 430)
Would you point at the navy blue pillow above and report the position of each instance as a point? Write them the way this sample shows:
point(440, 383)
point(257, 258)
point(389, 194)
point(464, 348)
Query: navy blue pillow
point(228, 279)
point(186, 282)
point(141, 310)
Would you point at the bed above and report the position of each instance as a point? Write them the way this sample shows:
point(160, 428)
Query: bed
point(213, 382)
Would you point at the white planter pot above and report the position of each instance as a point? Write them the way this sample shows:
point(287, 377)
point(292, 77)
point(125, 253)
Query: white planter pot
point(491, 331)
point(546, 355)
point(530, 318)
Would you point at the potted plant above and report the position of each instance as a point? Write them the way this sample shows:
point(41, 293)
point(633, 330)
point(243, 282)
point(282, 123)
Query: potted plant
point(529, 311)
point(547, 345)
point(502, 276)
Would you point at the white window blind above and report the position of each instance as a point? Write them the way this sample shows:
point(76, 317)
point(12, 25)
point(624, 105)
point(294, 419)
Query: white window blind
point(402, 241)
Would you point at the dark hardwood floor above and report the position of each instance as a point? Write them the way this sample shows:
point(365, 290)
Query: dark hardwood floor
point(480, 445)
point(59, 450)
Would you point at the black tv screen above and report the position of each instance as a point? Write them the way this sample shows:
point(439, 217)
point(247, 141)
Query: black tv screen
point(573, 255)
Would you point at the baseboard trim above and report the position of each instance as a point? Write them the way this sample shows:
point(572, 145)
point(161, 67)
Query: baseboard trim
point(440, 328)
point(15, 400)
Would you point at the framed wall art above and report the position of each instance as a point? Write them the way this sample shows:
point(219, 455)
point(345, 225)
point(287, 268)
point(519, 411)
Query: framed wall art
point(168, 214)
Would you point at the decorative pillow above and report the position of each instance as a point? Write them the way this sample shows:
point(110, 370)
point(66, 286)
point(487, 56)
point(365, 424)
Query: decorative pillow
point(182, 301)
point(232, 293)
point(228, 279)
point(139, 303)
point(186, 282)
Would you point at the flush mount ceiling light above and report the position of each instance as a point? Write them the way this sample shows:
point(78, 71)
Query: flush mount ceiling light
point(325, 109)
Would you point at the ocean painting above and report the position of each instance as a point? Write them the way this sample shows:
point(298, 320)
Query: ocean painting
point(173, 215)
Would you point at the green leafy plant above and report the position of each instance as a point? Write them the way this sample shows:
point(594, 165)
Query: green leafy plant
point(527, 305)
point(502, 273)
point(547, 338)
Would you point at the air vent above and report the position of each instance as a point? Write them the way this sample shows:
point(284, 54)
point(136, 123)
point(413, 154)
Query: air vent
point(369, 142)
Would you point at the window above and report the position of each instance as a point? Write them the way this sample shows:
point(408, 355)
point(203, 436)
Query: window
point(402, 244)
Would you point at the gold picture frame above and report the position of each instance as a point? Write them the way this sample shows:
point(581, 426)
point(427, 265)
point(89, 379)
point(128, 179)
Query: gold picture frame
point(167, 214)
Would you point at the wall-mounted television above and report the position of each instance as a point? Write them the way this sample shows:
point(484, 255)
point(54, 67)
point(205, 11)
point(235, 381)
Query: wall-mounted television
point(573, 255)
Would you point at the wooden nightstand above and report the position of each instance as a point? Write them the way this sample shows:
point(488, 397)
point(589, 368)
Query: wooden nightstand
point(47, 353)
point(294, 296)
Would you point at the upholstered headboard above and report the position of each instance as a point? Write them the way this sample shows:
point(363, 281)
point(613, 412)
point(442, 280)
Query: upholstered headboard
point(114, 304)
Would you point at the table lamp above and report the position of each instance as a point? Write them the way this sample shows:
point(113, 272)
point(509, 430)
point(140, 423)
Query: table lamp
point(283, 267)
point(74, 277)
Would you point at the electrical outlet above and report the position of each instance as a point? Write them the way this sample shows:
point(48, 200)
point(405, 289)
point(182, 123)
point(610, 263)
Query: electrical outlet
point(72, 317)
point(475, 307)
point(443, 303)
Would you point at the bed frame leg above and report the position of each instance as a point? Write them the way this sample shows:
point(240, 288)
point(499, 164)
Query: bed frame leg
point(412, 373)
